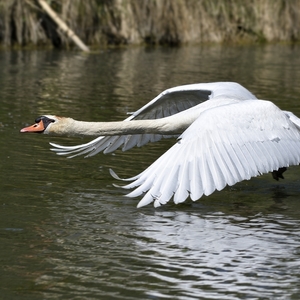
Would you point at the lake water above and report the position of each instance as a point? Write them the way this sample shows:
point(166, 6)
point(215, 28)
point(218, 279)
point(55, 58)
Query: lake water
point(67, 233)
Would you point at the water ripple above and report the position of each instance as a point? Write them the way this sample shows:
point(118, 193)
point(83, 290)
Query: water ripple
point(161, 254)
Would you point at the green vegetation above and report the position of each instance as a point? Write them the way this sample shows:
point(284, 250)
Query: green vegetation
point(173, 22)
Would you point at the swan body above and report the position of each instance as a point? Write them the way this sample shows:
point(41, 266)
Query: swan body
point(225, 135)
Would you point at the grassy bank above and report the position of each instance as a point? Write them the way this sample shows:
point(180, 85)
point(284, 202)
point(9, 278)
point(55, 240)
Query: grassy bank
point(173, 22)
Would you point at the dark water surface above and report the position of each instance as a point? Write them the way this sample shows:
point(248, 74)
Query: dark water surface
point(67, 233)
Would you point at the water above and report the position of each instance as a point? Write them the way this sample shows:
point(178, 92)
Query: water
point(67, 233)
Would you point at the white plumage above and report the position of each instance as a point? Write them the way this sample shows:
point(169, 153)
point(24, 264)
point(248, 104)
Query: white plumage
point(223, 146)
point(228, 138)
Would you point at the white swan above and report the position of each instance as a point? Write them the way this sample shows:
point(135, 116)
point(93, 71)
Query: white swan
point(226, 135)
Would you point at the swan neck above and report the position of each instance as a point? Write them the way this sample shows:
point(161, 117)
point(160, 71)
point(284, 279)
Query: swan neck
point(158, 126)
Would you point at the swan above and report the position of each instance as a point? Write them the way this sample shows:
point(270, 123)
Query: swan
point(224, 135)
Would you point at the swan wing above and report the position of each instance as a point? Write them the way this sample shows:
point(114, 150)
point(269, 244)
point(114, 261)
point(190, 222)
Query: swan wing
point(179, 98)
point(167, 103)
point(172, 101)
point(223, 146)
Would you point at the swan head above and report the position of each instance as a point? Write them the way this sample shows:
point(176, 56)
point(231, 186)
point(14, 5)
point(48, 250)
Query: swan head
point(48, 124)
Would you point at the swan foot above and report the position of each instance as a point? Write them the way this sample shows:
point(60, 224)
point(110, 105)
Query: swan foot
point(278, 174)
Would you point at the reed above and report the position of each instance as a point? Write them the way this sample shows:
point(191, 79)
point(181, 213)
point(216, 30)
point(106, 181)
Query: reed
point(172, 22)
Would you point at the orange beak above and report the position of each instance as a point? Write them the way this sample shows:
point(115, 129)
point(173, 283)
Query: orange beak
point(37, 127)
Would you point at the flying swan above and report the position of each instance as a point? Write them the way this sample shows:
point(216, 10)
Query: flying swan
point(225, 135)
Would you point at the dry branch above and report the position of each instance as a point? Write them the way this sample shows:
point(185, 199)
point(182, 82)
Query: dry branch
point(63, 25)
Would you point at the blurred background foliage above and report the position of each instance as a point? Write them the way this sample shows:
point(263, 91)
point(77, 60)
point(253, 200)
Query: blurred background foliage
point(23, 23)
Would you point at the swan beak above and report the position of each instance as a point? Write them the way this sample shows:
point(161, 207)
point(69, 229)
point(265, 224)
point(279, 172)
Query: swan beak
point(37, 127)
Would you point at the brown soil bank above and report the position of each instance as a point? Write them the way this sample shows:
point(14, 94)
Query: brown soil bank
point(173, 22)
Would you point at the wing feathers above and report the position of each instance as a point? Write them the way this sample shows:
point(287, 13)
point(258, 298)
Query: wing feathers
point(211, 155)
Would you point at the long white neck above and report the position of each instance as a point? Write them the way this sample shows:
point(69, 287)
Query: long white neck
point(172, 125)
point(157, 126)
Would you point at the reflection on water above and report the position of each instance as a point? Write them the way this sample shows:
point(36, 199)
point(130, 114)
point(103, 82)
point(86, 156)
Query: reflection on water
point(185, 251)
point(67, 233)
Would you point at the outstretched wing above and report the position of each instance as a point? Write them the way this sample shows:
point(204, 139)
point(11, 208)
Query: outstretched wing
point(223, 146)
point(167, 103)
